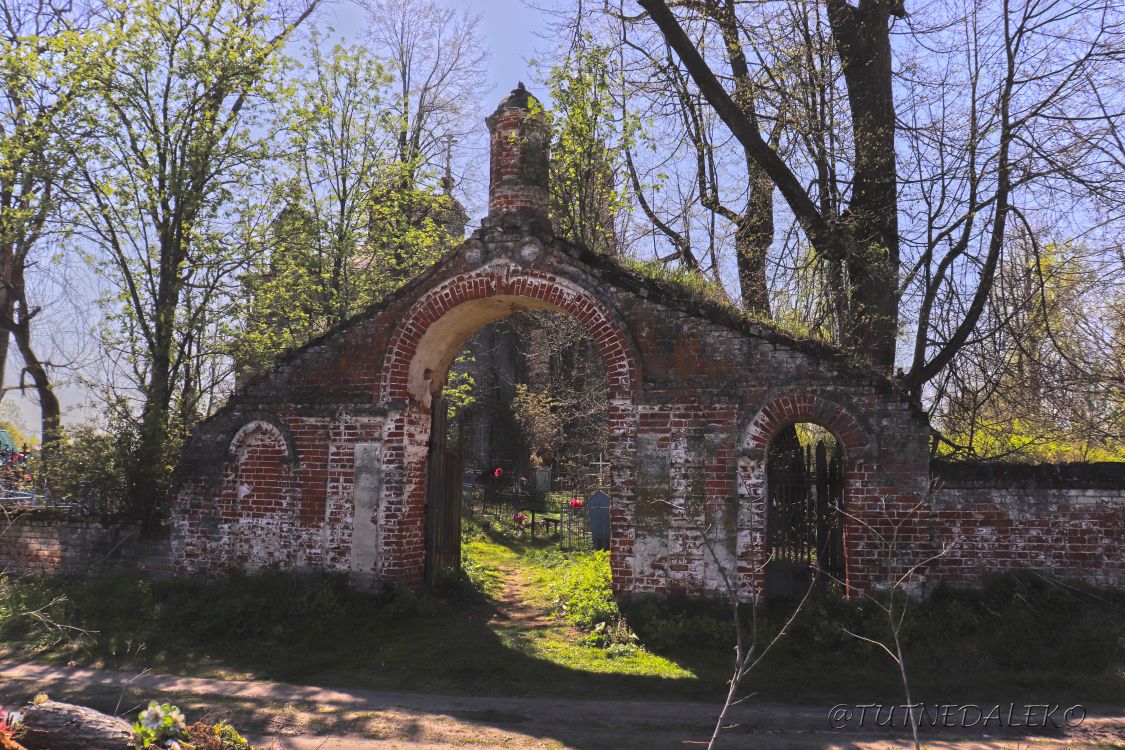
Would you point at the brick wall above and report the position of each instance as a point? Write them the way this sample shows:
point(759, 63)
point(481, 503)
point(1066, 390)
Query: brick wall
point(46, 542)
point(321, 461)
point(695, 394)
point(1066, 521)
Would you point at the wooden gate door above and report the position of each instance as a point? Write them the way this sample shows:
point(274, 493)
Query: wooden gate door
point(443, 497)
point(804, 520)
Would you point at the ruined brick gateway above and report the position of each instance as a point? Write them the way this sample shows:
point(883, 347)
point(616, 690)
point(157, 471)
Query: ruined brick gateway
point(321, 462)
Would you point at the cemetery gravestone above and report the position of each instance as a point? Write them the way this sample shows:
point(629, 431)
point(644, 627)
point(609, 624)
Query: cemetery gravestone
point(597, 514)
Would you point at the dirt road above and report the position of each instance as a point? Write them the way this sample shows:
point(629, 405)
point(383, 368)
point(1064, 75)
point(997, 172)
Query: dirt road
point(290, 717)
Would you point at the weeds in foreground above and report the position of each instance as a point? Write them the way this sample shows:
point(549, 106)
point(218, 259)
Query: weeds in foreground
point(962, 645)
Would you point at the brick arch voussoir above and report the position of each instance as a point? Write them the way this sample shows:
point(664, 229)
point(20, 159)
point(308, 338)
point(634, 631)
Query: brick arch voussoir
point(270, 426)
point(604, 326)
point(781, 410)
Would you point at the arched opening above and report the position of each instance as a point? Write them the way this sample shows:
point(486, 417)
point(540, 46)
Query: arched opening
point(804, 509)
point(423, 467)
point(528, 402)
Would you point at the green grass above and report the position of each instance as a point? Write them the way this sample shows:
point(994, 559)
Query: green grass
point(1021, 638)
point(590, 634)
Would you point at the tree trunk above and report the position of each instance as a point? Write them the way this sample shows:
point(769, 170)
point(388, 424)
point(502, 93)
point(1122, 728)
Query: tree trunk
point(862, 37)
point(146, 480)
point(49, 411)
point(5, 342)
point(147, 475)
point(52, 725)
point(753, 236)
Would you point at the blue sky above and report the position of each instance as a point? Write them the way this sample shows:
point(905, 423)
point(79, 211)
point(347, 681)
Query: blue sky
point(509, 29)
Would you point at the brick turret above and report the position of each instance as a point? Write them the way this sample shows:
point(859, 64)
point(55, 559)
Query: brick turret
point(519, 138)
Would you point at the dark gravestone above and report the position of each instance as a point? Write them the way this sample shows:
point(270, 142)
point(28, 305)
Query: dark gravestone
point(543, 479)
point(597, 514)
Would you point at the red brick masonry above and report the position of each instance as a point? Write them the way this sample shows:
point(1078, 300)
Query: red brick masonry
point(320, 463)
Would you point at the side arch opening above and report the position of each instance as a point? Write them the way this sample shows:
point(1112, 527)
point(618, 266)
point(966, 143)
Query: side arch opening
point(853, 441)
point(805, 510)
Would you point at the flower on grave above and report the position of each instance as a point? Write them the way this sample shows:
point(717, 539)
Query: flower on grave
point(523, 480)
point(519, 518)
point(497, 472)
point(576, 502)
point(152, 717)
point(160, 725)
point(9, 720)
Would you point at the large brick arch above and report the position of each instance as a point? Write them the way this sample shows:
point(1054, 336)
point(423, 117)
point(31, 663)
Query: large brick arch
point(765, 421)
point(420, 351)
point(480, 297)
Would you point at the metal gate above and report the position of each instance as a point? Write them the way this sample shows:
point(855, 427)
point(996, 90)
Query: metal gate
point(804, 519)
point(443, 496)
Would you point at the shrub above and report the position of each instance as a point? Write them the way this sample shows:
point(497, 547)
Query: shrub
point(86, 468)
point(671, 626)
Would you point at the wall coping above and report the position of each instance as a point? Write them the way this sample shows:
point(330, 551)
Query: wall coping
point(1077, 475)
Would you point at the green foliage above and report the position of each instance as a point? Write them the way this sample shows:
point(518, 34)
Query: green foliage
point(1004, 436)
point(87, 467)
point(485, 579)
point(458, 389)
point(688, 283)
point(162, 725)
point(171, 143)
point(588, 191)
point(670, 627)
point(1044, 386)
point(579, 586)
point(157, 725)
point(352, 223)
point(537, 415)
point(230, 739)
point(1022, 633)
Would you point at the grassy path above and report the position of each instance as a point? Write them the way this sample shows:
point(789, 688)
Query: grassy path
point(520, 586)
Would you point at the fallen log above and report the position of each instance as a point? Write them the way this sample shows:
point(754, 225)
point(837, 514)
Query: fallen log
point(51, 725)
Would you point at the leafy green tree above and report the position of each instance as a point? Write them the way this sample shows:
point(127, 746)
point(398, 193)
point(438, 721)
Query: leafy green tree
point(173, 134)
point(588, 191)
point(88, 469)
point(43, 68)
point(351, 227)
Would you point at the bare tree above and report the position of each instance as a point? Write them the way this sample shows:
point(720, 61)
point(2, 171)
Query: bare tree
point(863, 237)
point(904, 148)
point(437, 59)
